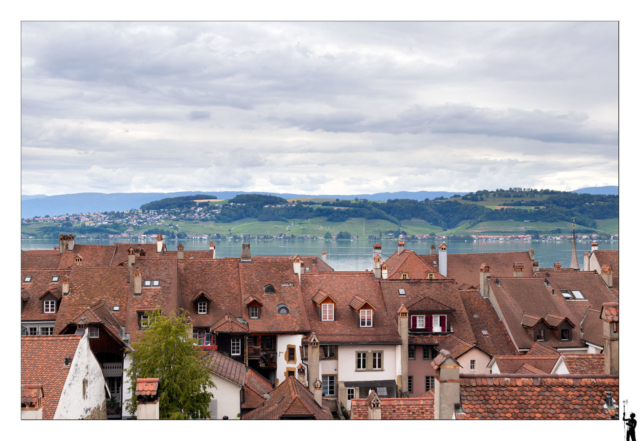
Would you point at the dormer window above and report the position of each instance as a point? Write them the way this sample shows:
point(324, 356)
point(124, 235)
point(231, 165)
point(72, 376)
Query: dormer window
point(55, 279)
point(151, 283)
point(202, 307)
point(366, 318)
point(565, 334)
point(254, 312)
point(405, 276)
point(78, 260)
point(430, 276)
point(94, 332)
point(283, 310)
point(540, 335)
point(327, 312)
point(269, 289)
point(49, 306)
point(27, 279)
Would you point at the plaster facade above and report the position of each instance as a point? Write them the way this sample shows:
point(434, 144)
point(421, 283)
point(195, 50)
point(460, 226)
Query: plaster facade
point(283, 342)
point(347, 363)
point(227, 396)
point(481, 361)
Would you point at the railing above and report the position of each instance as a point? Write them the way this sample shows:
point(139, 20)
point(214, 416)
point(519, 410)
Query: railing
point(254, 351)
point(113, 369)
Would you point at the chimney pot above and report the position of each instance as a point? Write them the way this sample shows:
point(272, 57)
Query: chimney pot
point(443, 259)
point(324, 255)
point(557, 266)
point(245, 256)
point(400, 247)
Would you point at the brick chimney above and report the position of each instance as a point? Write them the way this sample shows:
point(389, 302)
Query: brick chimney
point(607, 275)
point(443, 259)
point(31, 401)
point(385, 272)
point(485, 273)
point(531, 253)
point(403, 330)
point(323, 253)
point(433, 250)
point(137, 282)
point(447, 390)
point(159, 243)
point(377, 266)
point(65, 285)
point(314, 364)
point(377, 249)
point(147, 399)
point(212, 247)
point(374, 412)
point(594, 246)
point(62, 242)
point(518, 269)
point(180, 251)
point(587, 261)
point(535, 266)
point(400, 247)
point(557, 266)
point(245, 256)
point(609, 313)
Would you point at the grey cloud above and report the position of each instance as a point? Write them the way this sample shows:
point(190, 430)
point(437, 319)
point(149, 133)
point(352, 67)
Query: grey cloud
point(198, 115)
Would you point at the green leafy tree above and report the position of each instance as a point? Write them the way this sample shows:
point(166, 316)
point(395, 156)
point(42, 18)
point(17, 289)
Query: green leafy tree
point(327, 235)
point(168, 352)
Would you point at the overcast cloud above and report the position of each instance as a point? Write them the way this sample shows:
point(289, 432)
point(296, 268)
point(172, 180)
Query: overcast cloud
point(316, 108)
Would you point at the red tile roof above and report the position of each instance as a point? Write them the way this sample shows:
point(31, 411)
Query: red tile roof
point(39, 286)
point(608, 257)
point(584, 364)
point(491, 335)
point(536, 397)
point(256, 388)
point(40, 259)
point(230, 324)
point(42, 362)
point(592, 329)
point(510, 364)
point(147, 386)
point(610, 311)
point(30, 393)
point(416, 408)
point(226, 367)
point(411, 263)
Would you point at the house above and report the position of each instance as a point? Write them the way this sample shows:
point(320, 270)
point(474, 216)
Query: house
point(42, 293)
point(604, 263)
point(70, 383)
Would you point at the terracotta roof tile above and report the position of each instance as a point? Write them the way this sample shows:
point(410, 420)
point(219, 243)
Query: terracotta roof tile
point(226, 367)
point(39, 286)
point(584, 364)
point(411, 263)
point(491, 335)
point(147, 386)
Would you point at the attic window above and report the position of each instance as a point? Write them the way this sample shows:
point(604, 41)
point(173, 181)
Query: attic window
point(67, 361)
point(401, 292)
point(282, 309)
point(151, 283)
point(485, 333)
point(405, 276)
point(269, 289)
point(202, 307)
point(430, 276)
point(578, 295)
point(27, 279)
point(567, 294)
point(55, 278)
point(116, 308)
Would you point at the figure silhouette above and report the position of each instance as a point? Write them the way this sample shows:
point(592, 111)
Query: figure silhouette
point(631, 426)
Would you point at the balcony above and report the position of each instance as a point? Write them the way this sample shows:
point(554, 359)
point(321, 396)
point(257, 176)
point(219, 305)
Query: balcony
point(206, 341)
point(113, 369)
point(267, 358)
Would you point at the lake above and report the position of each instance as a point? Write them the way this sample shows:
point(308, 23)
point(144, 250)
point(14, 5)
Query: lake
point(358, 255)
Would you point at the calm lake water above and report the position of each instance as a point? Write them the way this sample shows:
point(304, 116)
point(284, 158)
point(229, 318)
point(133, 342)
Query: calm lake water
point(358, 255)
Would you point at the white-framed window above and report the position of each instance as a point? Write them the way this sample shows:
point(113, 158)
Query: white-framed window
point(33, 331)
point(49, 306)
point(147, 283)
point(46, 330)
point(436, 324)
point(410, 384)
point(351, 393)
point(254, 312)
point(366, 318)
point(577, 294)
point(27, 279)
point(156, 283)
point(429, 384)
point(144, 321)
point(55, 278)
point(412, 352)
point(472, 365)
point(361, 361)
point(420, 321)
point(235, 346)
point(327, 312)
point(94, 332)
point(377, 360)
point(328, 385)
point(202, 307)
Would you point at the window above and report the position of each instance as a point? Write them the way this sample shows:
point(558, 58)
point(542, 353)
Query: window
point(143, 320)
point(269, 289)
point(147, 283)
point(46, 330)
point(377, 360)
point(94, 332)
point(412, 352)
point(615, 327)
point(54, 278)
point(361, 361)
point(27, 279)
point(436, 323)
point(410, 384)
point(33, 331)
point(267, 343)
point(49, 306)
point(235, 346)
point(282, 309)
point(202, 307)
point(430, 276)
point(472, 365)
point(485, 333)
point(578, 295)
point(426, 353)
point(254, 312)
point(291, 352)
point(366, 318)
point(156, 283)
point(540, 334)
point(405, 276)
point(327, 312)
point(116, 308)
point(565, 334)
point(327, 351)
point(291, 373)
point(420, 321)
point(566, 294)
point(328, 385)
point(402, 292)
point(351, 393)
point(428, 384)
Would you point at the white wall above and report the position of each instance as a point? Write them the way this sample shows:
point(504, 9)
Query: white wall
point(227, 395)
point(328, 367)
point(593, 349)
point(561, 368)
point(281, 344)
point(73, 405)
point(347, 363)
point(126, 393)
point(482, 360)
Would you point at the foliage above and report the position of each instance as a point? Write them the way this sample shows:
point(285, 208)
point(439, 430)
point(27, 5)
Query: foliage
point(180, 202)
point(168, 352)
point(344, 235)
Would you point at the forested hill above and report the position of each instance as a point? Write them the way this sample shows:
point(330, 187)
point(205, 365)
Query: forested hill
point(180, 202)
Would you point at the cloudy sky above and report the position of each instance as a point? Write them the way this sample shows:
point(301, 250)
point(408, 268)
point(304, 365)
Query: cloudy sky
point(314, 108)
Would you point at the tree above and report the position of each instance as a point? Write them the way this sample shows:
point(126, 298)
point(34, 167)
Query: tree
point(166, 351)
point(327, 235)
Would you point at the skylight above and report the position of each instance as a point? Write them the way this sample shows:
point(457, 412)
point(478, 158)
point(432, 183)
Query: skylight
point(116, 308)
point(566, 294)
point(27, 279)
point(54, 278)
point(578, 295)
point(485, 333)
point(401, 292)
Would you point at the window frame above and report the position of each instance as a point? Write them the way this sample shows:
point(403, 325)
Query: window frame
point(281, 307)
point(412, 348)
point(330, 307)
point(234, 342)
point(380, 361)
point(429, 381)
point(47, 305)
point(424, 321)
point(361, 357)
point(206, 308)
point(253, 309)
point(410, 384)
point(331, 383)
point(568, 331)
point(54, 279)
point(351, 393)
point(27, 281)
point(472, 365)
point(427, 350)
point(91, 332)
point(365, 319)
point(540, 335)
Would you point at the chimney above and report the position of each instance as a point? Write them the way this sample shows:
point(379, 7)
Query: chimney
point(594, 246)
point(609, 313)
point(71, 241)
point(385, 273)
point(531, 253)
point(447, 390)
point(31, 401)
point(65, 285)
point(485, 273)
point(403, 330)
point(245, 256)
point(587, 261)
point(374, 412)
point(314, 364)
point(147, 399)
point(296, 265)
point(535, 266)
point(137, 282)
point(62, 242)
point(212, 246)
point(518, 269)
point(443, 259)
point(180, 251)
point(433, 250)
point(302, 268)
point(131, 258)
point(607, 275)
point(159, 244)
point(400, 247)
point(557, 266)
point(377, 266)
point(324, 255)
point(377, 249)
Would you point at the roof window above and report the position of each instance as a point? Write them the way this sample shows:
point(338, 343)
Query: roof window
point(269, 289)
point(283, 309)
point(151, 283)
point(567, 294)
point(67, 361)
point(27, 279)
point(401, 292)
point(485, 333)
point(116, 308)
point(55, 278)
point(578, 295)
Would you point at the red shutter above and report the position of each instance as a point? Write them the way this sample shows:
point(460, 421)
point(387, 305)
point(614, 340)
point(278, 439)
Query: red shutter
point(429, 323)
point(414, 322)
point(443, 323)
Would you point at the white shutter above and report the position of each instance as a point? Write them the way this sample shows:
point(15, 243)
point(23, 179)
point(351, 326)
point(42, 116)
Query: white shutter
point(213, 408)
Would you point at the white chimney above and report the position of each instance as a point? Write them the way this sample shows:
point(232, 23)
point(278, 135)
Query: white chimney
point(212, 246)
point(594, 246)
point(245, 255)
point(385, 272)
point(159, 244)
point(296, 265)
point(377, 249)
point(587, 261)
point(324, 255)
point(443, 259)
point(377, 266)
point(400, 247)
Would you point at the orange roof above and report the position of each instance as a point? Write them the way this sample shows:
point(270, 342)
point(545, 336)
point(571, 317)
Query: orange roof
point(147, 386)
